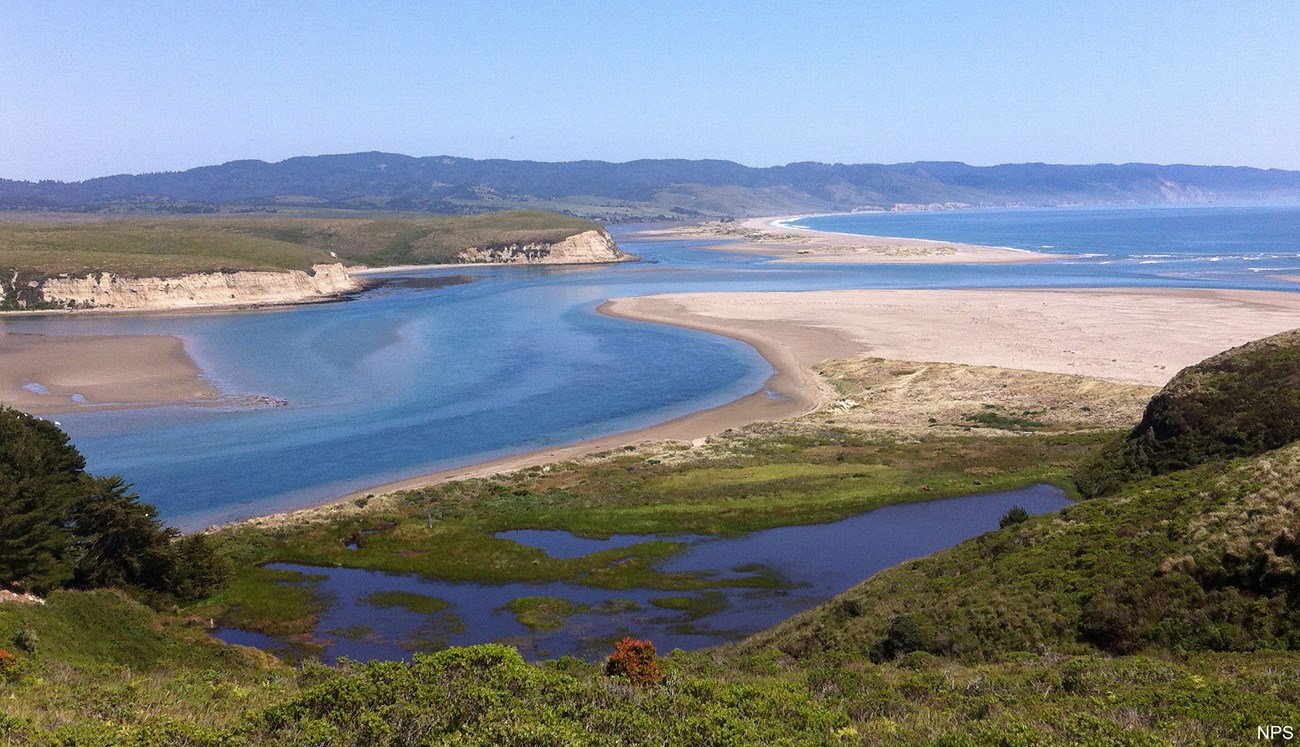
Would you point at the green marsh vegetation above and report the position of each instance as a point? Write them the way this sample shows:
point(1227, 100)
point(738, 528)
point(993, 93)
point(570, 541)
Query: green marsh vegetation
point(756, 478)
point(407, 600)
point(543, 613)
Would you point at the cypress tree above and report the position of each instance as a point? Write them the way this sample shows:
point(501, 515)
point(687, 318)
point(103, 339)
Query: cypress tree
point(41, 475)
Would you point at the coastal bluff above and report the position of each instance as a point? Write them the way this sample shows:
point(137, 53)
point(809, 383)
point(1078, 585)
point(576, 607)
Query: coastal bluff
point(228, 261)
point(199, 290)
point(243, 288)
point(588, 247)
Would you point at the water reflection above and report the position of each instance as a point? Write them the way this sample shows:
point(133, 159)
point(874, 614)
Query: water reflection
point(813, 562)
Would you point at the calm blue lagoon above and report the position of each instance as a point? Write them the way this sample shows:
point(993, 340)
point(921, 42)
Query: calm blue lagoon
point(409, 379)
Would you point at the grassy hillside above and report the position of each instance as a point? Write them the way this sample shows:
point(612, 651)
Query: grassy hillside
point(175, 245)
point(146, 679)
point(1200, 560)
point(1241, 402)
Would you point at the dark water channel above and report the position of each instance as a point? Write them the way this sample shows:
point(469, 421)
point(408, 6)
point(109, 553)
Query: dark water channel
point(815, 562)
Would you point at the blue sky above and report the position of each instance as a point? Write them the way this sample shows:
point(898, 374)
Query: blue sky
point(94, 88)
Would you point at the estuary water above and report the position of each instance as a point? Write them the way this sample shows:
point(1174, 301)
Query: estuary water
point(409, 379)
point(813, 563)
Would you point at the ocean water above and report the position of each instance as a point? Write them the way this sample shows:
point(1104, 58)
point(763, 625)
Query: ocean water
point(409, 379)
point(1198, 244)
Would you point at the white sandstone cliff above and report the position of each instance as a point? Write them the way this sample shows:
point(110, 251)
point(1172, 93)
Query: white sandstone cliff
point(208, 289)
point(588, 247)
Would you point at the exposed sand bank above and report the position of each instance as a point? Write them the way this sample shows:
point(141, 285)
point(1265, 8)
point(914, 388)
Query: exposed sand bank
point(104, 371)
point(1137, 336)
point(764, 236)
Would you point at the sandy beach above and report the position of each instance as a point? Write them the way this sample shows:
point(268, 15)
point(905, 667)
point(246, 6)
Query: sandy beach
point(764, 236)
point(1136, 336)
point(48, 374)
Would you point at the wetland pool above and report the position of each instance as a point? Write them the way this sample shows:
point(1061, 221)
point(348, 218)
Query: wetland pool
point(376, 615)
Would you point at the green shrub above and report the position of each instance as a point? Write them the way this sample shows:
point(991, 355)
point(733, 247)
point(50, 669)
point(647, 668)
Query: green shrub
point(903, 637)
point(26, 640)
point(1016, 515)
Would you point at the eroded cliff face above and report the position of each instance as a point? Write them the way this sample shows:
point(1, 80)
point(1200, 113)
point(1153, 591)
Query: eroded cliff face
point(264, 288)
point(209, 289)
point(587, 247)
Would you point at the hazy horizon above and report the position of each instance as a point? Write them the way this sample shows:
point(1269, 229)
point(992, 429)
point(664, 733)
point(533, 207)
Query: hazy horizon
point(127, 88)
point(666, 158)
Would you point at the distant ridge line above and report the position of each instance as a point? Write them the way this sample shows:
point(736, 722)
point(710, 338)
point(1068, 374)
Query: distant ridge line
point(645, 188)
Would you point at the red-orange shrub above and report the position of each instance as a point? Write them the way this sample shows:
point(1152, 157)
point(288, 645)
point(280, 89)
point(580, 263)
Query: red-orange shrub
point(8, 662)
point(634, 660)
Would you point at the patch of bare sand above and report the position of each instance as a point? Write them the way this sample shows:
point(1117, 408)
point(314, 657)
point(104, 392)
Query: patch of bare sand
point(47, 374)
point(1137, 336)
point(908, 398)
point(764, 236)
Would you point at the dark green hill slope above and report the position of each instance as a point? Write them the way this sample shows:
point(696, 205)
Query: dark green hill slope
point(1241, 402)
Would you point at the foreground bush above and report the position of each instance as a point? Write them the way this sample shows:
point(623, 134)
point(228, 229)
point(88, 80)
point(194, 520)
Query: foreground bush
point(635, 661)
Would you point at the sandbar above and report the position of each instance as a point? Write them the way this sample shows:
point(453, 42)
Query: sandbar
point(48, 374)
point(1114, 345)
point(767, 237)
point(1130, 335)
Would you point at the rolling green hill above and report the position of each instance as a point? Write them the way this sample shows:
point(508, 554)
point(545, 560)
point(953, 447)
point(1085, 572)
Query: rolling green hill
point(1241, 402)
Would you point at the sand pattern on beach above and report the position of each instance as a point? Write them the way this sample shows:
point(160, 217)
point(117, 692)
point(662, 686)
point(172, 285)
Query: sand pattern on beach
point(46, 374)
point(1137, 336)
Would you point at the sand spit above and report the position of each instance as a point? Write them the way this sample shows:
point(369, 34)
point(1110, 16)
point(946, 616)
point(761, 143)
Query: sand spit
point(767, 237)
point(1136, 336)
point(47, 374)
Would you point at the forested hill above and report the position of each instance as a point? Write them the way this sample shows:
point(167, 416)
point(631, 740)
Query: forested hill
point(640, 189)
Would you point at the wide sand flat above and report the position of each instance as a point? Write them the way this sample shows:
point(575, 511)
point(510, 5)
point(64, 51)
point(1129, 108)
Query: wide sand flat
point(97, 372)
point(763, 236)
point(1138, 336)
